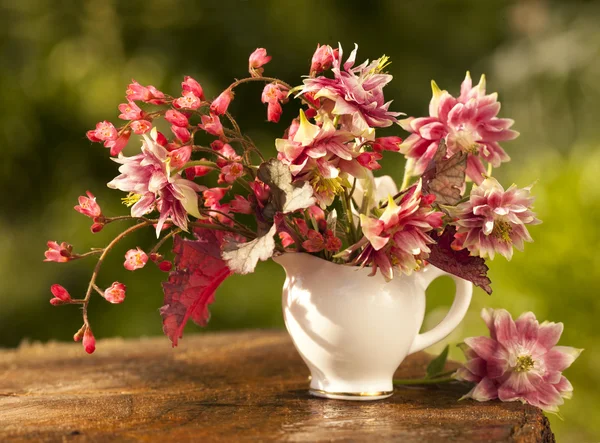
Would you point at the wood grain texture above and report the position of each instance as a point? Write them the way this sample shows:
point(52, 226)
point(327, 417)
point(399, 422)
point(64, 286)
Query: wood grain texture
point(241, 386)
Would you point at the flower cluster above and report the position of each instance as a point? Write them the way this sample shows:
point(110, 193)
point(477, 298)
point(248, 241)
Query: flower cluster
point(318, 196)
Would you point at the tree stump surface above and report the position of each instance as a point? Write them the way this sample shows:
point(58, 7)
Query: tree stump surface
point(235, 386)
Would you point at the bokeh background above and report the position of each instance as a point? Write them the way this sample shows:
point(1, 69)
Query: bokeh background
point(64, 65)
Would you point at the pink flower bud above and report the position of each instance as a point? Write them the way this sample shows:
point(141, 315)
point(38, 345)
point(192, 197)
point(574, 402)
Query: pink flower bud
point(141, 126)
point(191, 85)
point(197, 171)
point(211, 124)
point(257, 60)
point(135, 91)
point(89, 342)
point(273, 93)
point(60, 292)
point(213, 196)
point(221, 103)
point(387, 144)
point(315, 242)
point(181, 133)
point(165, 266)
point(274, 111)
point(135, 259)
point(79, 334)
point(240, 205)
point(91, 135)
point(161, 139)
point(119, 144)
point(369, 160)
point(322, 59)
point(105, 131)
point(56, 301)
point(231, 172)
point(156, 257)
point(177, 118)
point(130, 111)
point(188, 101)
point(156, 96)
point(180, 157)
point(88, 206)
point(58, 253)
point(96, 227)
point(116, 293)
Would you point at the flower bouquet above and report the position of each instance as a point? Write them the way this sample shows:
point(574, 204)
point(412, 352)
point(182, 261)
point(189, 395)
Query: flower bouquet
point(357, 249)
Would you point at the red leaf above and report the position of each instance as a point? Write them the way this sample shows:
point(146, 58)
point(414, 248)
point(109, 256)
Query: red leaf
point(199, 270)
point(459, 263)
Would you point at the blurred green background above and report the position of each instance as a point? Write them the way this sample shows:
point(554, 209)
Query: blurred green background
point(64, 65)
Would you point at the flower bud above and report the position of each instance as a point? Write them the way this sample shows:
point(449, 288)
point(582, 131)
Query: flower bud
point(89, 341)
point(221, 103)
point(165, 266)
point(60, 292)
point(79, 334)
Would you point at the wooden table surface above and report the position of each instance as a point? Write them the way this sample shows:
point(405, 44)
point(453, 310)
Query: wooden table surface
point(240, 386)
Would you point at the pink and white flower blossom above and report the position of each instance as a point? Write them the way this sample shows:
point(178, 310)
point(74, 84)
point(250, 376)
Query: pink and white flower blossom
point(191, 85)
point(59, 253)
point(88, 206)
point(135, 259)
point(273, 95)
point(130, 111)
point(221, 103)
point(494, 220)
point(105, 131)
point(467, 123)
point(116, 293)
point(322, 59)
point(146, 94)
point(177, 118)
point(148, 179)
point(256, 61)
point(519, 361)
point(140, 127)
point(397, 239)
point(355, 93)
point(231, 172)
point(188, 100)
point(211, 124)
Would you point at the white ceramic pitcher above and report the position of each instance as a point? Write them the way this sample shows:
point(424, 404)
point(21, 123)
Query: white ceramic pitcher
point(352, 330)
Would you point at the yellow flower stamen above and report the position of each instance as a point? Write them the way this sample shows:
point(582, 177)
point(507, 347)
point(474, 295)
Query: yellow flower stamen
point(131, 199)
point(524, 363)
point(502, 230)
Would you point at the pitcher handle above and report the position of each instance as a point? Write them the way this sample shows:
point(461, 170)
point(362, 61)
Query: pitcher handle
point(460, 305)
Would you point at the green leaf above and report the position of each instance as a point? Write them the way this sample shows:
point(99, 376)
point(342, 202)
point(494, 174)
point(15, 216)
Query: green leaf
point(436, 366)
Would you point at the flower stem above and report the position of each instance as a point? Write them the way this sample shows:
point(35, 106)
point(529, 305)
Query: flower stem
point(195, 163)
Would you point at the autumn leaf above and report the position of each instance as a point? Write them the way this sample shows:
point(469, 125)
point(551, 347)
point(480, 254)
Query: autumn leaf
point(287, 196)
point(445, 177)
point(242, 258)
point(459, 263)
point(199, 270)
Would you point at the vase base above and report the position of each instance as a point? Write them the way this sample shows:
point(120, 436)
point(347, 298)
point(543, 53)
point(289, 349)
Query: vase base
point(353, 396)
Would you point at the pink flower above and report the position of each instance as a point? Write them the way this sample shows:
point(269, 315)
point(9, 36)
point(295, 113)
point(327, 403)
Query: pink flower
point(519, 361)
point(369, 160)
point(89, 341)
point(493, 220)
point(231, 172)
point(322, 59)
point(391, 143)
point(398, 238)
point(146, 94)
point(88, 206)
point(213, 196)
point(165, 266)
point(105, 131)
point(197, 171)
point(61, 295)
point(182, 134)
point(177, 118)
point(211, 124)
point(179, 157)
point(135, 259)
point(240, 205)
point(315, 242)
point(188, 101)
point(274, 111)
point(355, 93)
point(59, 253)
point(116, 146)
point(140, 127)
point(221, 103)
point(257, 60)
point(467, 123)
point(116, 293)
point(272, 95)
point(191, 85)
point(130, 111)
point(147, 177)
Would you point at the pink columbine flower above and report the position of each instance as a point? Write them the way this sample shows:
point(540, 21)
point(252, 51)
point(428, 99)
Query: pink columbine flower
point(61, 295)
point(88, 206)
point(147, 177)
point(211, 124)
point(519, 361)
point(398, 238)
point(59, 253)
point(89, 341)
point(231, 172)
point(177, 118)
point(191, 85)
point(257, 60)
point(494, 220)
point(116, 293)
point(467, 123)
point(355, 93)
point(322, 59)
point(221, 103)
point(130, 111)
point(188, 100)
point(135, 259)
